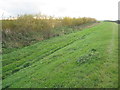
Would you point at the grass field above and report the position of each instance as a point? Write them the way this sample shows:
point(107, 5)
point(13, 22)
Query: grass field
point(83, 59)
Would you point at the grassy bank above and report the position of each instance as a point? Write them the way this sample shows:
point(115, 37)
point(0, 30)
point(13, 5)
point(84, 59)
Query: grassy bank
point(82, 59)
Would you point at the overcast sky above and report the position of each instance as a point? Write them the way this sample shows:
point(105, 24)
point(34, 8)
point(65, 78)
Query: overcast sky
point(99, 9)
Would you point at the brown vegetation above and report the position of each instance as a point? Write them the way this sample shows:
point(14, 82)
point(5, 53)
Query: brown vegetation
point(28, 29)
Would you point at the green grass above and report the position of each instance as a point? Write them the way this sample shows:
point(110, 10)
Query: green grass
point(83, 59)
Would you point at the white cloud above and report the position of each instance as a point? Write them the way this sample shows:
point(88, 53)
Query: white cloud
point(4, 14)
point(99, 9)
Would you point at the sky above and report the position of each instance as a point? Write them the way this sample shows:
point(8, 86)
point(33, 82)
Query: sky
point(99, 9)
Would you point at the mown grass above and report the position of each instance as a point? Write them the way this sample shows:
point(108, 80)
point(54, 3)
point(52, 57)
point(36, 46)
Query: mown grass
point(83, 59)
